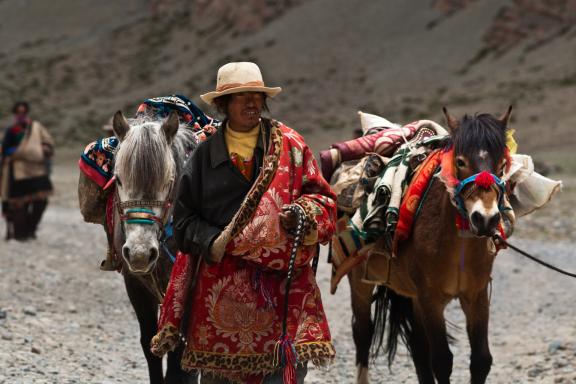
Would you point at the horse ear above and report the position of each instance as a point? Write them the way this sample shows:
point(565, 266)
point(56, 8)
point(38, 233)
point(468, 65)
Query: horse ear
point(451, 122)
point(120, 125)
point(170, 126)
point(505, 118)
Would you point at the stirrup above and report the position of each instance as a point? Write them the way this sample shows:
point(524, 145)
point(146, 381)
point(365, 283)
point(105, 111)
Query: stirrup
point(109, 263)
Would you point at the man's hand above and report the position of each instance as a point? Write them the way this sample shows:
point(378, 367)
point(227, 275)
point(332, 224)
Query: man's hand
point(288, 219)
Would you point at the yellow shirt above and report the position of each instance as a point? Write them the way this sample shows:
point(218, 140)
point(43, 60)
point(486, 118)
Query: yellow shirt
point(242, 143)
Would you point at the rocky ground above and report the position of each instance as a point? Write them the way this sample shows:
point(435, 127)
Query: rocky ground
point(64, 321)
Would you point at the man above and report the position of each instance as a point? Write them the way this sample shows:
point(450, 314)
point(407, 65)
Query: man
point(24, 184)
point(237, 209)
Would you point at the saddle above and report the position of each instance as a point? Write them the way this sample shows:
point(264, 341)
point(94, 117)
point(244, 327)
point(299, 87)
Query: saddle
point(370, 189)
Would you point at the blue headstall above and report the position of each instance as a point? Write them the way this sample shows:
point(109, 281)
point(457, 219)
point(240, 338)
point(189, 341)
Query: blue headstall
point(486, 183)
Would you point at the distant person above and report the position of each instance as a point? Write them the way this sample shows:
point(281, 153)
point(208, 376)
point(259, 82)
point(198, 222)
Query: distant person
point(24, 174)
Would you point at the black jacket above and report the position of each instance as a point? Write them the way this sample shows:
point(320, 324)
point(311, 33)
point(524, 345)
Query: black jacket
point(210, 193)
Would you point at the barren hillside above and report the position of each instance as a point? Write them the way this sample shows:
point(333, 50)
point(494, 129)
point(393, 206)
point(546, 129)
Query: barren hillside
point(77, 61)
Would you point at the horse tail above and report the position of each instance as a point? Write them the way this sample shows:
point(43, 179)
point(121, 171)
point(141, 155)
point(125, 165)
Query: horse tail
point(397, 311)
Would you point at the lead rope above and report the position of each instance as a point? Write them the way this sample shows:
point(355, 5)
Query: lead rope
point(501, 240)
point(284, 351)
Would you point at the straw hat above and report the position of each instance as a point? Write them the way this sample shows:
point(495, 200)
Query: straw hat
point(239, 77)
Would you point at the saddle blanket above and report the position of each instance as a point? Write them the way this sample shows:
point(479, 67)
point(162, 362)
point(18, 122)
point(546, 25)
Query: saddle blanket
point(97, 160)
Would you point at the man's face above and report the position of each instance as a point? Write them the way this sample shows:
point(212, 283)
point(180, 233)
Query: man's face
point(244, 110)
point(21, 112)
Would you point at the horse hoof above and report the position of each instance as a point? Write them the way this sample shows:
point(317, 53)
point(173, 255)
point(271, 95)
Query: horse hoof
point(362, 375)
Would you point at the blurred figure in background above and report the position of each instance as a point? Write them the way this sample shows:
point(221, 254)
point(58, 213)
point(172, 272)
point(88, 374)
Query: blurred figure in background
point(24, 174)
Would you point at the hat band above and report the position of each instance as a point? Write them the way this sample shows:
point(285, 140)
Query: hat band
point(225, 87)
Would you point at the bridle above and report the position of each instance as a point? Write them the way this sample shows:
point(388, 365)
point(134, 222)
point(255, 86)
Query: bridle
point(489, 180)
point(141, 212)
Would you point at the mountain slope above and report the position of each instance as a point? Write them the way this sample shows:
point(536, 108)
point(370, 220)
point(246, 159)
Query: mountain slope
point(81, 61)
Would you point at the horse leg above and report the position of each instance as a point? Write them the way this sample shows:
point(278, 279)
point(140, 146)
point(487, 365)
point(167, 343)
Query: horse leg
point(146, 309)
point(420, 351)
point(431, 314)
point(477, 309)
point(362, 326)
point(174, 372)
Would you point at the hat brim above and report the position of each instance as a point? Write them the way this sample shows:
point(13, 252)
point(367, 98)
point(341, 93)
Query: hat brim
point(269, 91)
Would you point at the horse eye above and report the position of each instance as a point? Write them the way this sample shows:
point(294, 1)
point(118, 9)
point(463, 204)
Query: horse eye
point(460, 163)
point(118, 181)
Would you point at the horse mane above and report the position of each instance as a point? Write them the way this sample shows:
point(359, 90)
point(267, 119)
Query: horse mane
point(142, 156)
point(480, 132)
point(182, 145)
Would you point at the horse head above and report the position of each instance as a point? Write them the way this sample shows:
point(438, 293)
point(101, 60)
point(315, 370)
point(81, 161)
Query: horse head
point(145, 171)
point(480, 158)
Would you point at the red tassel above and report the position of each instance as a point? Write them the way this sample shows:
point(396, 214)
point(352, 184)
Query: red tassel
point(500, 246)
point(484, 180)
point(285, 357)
point(289, 374)
point(462, 223)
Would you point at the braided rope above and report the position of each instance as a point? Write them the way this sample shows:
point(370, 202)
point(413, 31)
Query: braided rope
point(141, 204)
point(298, 234)
point(284, 352)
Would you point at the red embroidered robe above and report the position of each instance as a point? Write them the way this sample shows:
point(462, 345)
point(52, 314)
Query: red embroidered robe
point(237, 304)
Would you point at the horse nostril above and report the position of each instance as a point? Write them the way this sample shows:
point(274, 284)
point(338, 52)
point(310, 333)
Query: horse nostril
point(494, 220)
point(126, 253)
point(477, 220)
point(153, 254)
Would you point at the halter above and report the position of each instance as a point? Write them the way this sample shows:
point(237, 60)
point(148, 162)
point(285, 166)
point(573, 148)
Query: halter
point(140, 212)
point(485, 180)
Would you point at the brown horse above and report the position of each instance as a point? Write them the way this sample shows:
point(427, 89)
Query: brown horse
point(436, 265)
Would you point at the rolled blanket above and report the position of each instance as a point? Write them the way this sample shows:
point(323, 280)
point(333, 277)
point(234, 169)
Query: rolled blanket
point(384, 143)
point(379, 213)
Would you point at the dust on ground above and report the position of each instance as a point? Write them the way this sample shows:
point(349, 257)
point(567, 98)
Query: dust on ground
point(63, 321)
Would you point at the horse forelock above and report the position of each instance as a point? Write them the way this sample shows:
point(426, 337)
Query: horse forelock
point(144, 159)
point(480, 138)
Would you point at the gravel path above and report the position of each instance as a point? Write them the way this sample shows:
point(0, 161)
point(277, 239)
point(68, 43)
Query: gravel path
point(64, 321)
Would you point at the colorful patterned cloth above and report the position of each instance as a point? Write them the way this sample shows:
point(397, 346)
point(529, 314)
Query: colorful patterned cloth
point(384, 214)
point(97, 160)
point(414, 195)
point(237, 304)
point(160, 107)
point(246, 167)
point(383, 143)
point(379, 212)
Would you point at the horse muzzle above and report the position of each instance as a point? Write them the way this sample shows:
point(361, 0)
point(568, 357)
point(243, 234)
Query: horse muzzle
point(484, 225)
point(140, 259)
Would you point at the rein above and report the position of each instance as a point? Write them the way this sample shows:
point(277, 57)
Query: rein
point(499, 239)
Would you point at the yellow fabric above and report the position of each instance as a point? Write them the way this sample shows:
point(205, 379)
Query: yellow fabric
point(511, 142)
point(242, 143)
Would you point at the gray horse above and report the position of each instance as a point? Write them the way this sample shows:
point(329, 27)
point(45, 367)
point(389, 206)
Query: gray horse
point(147, 166)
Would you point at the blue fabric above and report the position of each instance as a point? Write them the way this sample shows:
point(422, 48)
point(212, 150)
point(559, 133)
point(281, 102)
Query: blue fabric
point(501, 185)
point(99, 155)
point(163, 105)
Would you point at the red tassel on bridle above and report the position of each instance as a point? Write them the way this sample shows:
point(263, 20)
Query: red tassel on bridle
point(484, 180)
